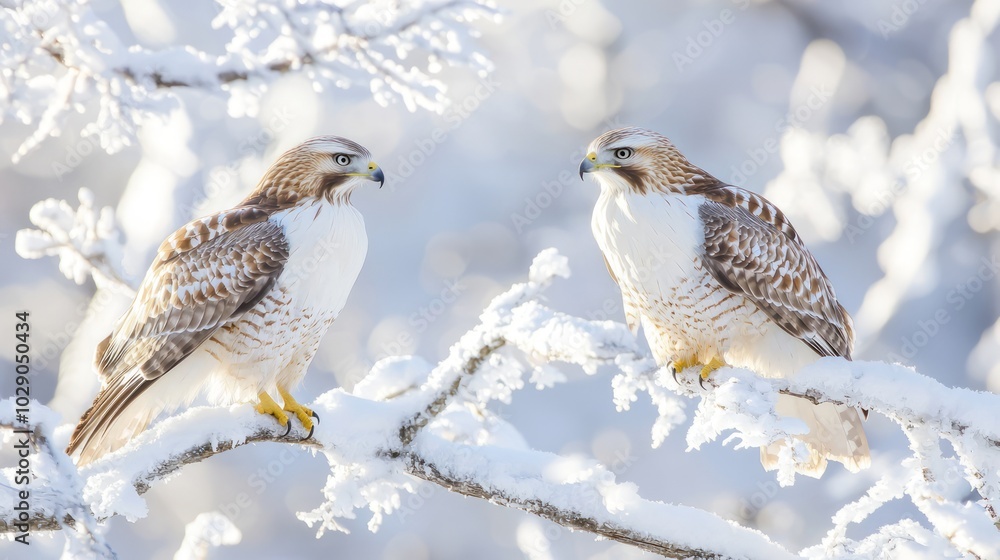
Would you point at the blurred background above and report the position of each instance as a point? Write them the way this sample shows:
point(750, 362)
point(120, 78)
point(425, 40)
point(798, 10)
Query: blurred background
point(873, 125)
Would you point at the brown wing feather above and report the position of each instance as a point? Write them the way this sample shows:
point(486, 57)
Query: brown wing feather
point(205, 275)
point(762, 261)
point(198, 283)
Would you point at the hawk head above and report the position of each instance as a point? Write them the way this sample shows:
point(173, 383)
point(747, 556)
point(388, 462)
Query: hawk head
point(327, 167)
point(639, 160)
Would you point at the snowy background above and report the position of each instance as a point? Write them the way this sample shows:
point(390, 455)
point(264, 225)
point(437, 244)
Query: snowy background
point(890, 172)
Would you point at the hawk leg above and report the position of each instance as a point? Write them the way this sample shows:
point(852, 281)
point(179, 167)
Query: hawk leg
point(712, 365)
point(266, 405)
point(305, 415)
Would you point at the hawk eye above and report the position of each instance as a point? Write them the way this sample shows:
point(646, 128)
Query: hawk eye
point(623, 153)
point(342, 159)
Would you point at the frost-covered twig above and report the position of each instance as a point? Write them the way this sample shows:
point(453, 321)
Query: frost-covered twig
point(65, 56)
point(86, 240)
point(207, 531)
point(479, 343)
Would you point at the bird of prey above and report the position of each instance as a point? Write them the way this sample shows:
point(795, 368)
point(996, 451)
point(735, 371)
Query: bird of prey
point(716, 275)
point(235, 303)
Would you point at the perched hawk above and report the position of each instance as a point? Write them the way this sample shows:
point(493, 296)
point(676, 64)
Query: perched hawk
point(717, 276)
point(235, 303)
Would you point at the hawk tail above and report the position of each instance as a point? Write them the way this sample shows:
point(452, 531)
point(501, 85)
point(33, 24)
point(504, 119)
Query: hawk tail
point(835, 432)
point(123, 408)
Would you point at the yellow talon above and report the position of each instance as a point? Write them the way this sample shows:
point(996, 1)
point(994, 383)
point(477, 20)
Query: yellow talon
point(681, 365)
point(712, 365)
point(268, 406)
point(302, 413)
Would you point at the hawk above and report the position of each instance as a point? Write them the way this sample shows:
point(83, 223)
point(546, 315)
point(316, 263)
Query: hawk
point(235, 303)
point(716, 275)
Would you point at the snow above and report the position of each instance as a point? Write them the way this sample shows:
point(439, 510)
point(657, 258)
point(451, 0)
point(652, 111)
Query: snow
point(80, 237)
point(393, 376)
point(358, 437)
point(641, 374)
point(892, 183)
point(56, 487)
point(464, 442)
point(61, 56)
point(587, 488)
point(208, 530)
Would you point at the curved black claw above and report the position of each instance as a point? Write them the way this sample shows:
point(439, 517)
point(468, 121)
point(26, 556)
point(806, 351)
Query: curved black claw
point(288, 428)
point(674, 372)
point(316, 416)
point(701, 381)
point(313, 428)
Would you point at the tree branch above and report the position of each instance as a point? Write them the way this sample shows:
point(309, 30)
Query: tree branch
point(443, 473)
point(522, 479)
point(574, 504)
point(412, 427)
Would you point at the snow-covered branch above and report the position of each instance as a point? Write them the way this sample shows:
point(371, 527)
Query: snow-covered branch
point(392, 440)
point(86, 240)
point(471, 471)
point(62, 57)
point(926, 411)
point(409, 421)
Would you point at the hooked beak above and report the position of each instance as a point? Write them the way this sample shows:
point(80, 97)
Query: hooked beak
point(588, 164)
point(376, 174)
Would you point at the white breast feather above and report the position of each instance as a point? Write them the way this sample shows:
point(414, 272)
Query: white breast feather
point(648, 240)
point(327, 247)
